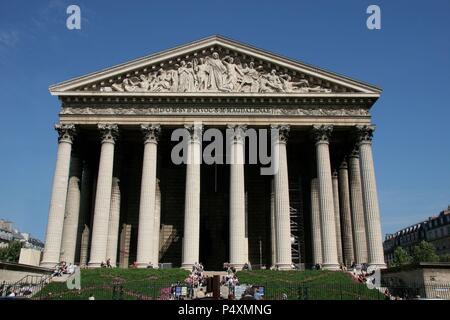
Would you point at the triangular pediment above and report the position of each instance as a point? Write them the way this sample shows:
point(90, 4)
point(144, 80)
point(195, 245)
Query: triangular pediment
point(210, 66)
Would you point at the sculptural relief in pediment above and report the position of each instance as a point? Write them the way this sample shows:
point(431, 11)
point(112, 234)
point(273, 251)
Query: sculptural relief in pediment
point(212, 73)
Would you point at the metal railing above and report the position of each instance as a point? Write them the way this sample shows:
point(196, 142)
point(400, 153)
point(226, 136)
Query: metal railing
point(159, 290)
point(26, 287)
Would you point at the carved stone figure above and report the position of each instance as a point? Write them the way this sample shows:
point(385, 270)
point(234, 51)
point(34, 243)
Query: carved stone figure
point(187, 77)
point(202, 70)
point(218, 70)
point(271, 82)
point(233, 74)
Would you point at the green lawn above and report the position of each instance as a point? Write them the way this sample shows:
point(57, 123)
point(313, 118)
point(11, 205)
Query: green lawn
point(136, 284)
point(154, 284)
point(308, 284)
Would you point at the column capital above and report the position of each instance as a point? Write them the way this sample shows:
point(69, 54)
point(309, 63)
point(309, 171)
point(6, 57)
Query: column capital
point(283, 131)
point(195, 131)
point(322, 133)
point(66, 132)
point(364, 133)
point(109, 132)
point(343, 165)
point(334, 174)
point(354, 153)
point(238, 133)
point(151, 132)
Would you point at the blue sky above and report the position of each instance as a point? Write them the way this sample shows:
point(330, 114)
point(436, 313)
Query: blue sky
point(409, 58)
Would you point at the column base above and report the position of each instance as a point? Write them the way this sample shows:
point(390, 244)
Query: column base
point(92, 265)
point(142, 265)
point(284, 266)
point(331, 266)
point(377, 266)
point(187, 266)
point(237, 266)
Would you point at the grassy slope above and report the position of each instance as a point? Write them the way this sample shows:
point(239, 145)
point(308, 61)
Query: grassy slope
point(309, 284)
point(100, 282)
point(147, 283)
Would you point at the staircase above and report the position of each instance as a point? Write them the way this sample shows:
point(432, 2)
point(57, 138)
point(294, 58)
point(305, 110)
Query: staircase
point(167, 236)
point(28, 286)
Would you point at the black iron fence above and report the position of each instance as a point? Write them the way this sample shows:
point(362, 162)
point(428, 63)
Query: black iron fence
point(154, 290)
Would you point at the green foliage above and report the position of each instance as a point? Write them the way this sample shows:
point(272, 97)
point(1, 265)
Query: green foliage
point(11, 253)
point(401, 257)
point(444, 258)
point(425, 252)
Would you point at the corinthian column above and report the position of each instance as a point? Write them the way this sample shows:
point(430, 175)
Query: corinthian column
point(370, 198)
point(347, 232)
point(147, 205)
point(356, 201)
point(337, 215)
point(327, 220)
point(70, 229)
point(55, 223)
point(315, 222)
point(238, 256)
point(114, 221)
point(191, 237)
point(282, 206)
point(103, 195)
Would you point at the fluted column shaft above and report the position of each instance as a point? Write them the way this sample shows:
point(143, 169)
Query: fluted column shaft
point(147, 205)
point(347, 232)
point(157, 225)
point(357, 209)
point(315, 223)
point(327, 219)
point(337, 216)
point(84, 246)
point(59, 195)
point(370, 198)
point(282, 206)
point(114, 221)
point(273, 235)
point(72, 212)
point(237, 200)
point(103, 196)
point(191, 234)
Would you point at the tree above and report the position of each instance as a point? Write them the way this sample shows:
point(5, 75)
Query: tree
point(12, 252)
point(401, 257)
point(425, 252)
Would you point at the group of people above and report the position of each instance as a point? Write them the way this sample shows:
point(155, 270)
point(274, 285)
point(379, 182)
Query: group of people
point(197, 276)
point(231, 280)
point(211, 73)
point(17, 290)
point(63, 268)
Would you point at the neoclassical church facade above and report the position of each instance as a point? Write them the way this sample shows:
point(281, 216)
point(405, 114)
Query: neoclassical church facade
point(119, 196)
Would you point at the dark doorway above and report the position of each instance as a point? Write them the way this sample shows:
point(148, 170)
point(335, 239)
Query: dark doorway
point(214, 222)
